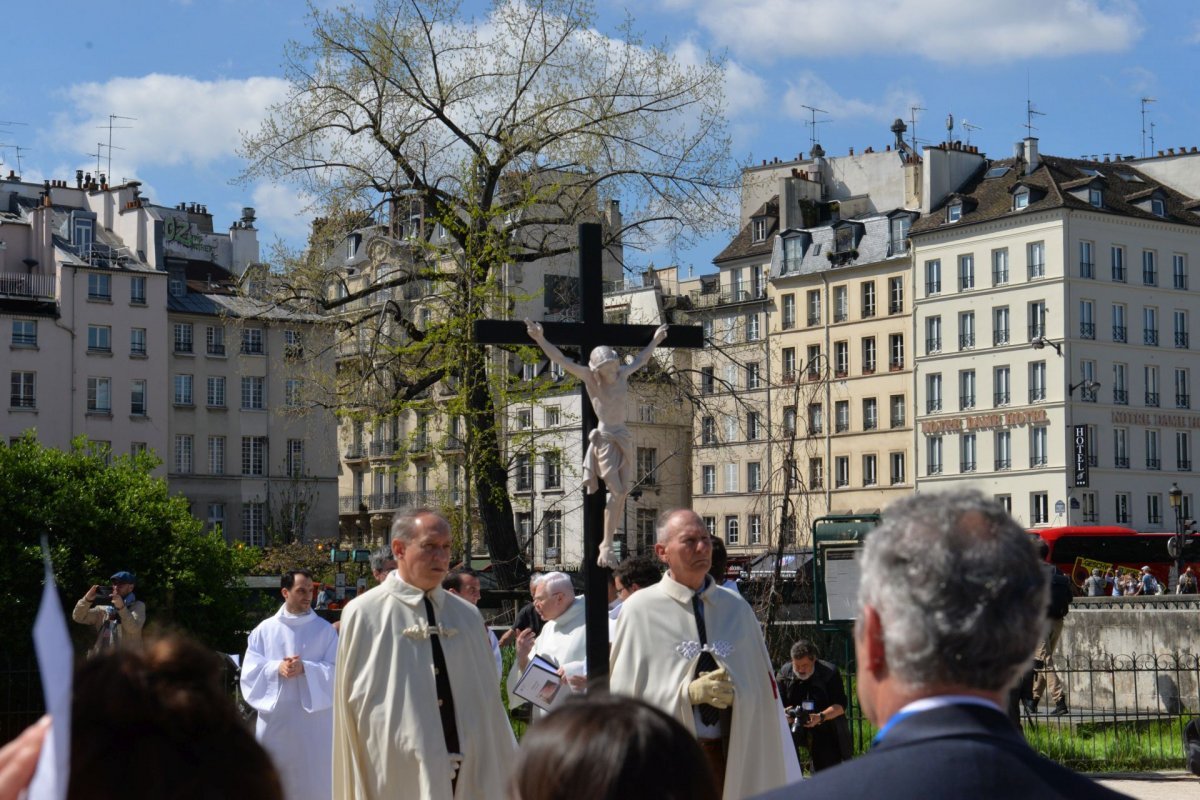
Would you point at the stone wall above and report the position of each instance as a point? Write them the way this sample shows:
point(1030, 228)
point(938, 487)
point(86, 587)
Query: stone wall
point(1132, 654)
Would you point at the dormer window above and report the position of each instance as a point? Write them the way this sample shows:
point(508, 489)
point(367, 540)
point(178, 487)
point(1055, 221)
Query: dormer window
point(843, 239)
point(1021, 199)
point(1096, 197)
point(758, 229)
point(954, 211)
point(352, 243)
point(1157, 207)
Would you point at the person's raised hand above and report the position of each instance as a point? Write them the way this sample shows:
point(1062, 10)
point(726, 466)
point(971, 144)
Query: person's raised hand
point(19, 758)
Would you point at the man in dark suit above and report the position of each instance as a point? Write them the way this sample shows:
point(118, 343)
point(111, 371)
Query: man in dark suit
point(952, 603)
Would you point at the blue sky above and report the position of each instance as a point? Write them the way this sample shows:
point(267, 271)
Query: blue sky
point(195, 73)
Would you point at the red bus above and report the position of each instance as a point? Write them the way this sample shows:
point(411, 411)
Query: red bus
point(1076, 550)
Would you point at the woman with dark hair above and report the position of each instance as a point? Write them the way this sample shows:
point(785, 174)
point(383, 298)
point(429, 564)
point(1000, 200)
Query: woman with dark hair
point(158, 723)
point(607, 747)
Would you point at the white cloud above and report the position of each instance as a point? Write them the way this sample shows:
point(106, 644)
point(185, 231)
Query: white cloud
point(177, 119)
point(948, 31)
point(809, 89)
point(282, 213)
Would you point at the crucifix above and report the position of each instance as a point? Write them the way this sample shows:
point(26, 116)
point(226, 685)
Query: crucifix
point(592, 335)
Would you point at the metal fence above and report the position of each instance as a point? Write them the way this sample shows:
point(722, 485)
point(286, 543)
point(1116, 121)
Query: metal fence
point(1125, 712)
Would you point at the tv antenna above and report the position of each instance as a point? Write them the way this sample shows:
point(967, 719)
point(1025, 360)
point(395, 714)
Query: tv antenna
point(1030, 113)
point(111, 119)
point(1146, 100)
point(968, 127)
point(18, 149)
point(912, 120)
point(813, 111)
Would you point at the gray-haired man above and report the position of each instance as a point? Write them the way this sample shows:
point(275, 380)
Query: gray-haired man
point(952, 602)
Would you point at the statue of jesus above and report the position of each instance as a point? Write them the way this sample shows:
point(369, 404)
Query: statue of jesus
point(610, 454)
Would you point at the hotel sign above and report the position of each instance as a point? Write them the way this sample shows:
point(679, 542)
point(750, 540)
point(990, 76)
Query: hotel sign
point(975, 422)
point(1080, 448)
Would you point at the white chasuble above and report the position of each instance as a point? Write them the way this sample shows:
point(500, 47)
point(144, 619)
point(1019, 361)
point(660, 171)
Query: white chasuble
point(388, 738)
point(654, 655)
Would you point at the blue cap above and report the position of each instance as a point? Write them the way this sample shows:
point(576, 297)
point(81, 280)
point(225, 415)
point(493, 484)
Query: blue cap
point(123, 577)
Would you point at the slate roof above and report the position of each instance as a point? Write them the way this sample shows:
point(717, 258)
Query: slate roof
point(743, 245)
point(873, 245)
point(1055, 177)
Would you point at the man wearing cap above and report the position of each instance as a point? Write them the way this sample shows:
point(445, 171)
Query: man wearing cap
point(118, 622)
point(610, 453)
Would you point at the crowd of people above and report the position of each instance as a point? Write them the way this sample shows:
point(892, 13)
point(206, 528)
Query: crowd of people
point(952, 606)
point(1133, 583)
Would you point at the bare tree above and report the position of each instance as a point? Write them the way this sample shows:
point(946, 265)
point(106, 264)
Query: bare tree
point(504, 131)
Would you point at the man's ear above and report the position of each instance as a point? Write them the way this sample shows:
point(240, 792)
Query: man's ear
point(870, 639)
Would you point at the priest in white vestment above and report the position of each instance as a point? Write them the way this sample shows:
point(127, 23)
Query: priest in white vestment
point(404, 727)
point(563, 640)
point(732, 706)
point(287, 677)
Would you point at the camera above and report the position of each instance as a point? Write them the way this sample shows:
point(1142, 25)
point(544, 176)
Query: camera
point(103, 595)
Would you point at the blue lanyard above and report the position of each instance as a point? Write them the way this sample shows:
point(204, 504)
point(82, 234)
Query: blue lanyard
point(890, 723)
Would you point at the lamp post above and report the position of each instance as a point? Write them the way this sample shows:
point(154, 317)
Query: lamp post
point(1176, 496)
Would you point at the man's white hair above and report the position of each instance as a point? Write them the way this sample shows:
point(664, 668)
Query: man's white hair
point(557, 582)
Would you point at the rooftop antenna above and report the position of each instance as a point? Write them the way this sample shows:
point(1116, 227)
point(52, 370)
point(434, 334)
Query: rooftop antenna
point(1030, 113)
point(111, 119)
point(968, 127)
point(1146, 100)
point(949, 128)
point(18, 150)
point(912, 121)
point(813, 138)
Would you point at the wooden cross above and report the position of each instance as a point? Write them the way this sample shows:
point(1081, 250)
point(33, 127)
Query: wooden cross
point(589, 332)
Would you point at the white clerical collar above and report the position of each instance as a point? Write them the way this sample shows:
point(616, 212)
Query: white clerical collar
point(296, 619)
point(677, 591)
point(410, 595)
point(572, 615)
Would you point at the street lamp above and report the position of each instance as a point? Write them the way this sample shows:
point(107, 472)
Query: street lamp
point(1089, 387)
point(1176, 496)
point(1042, 341)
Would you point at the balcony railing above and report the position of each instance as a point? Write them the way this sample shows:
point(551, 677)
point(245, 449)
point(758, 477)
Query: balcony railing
point(354, 451)
point(1183, 465)
point(1087, 330)
point(933, 405)
point(1037, 461)
point(967, 466)
point(1119, 333)
point(1001, 398)
point(394, 500)
point(1183, 401)
point(1121, 462)
point(1150, 336)
point(1003, 464)
point(966, 402)
point(1181, 339)
point(1153, 463)
point(1037, 394)
point(1120, 397)
point(1152, 399)
point(31, 287)
point(933, 345)
point(966, 341)
point(386, 447)
point(1036, 331)
point(1000, 337)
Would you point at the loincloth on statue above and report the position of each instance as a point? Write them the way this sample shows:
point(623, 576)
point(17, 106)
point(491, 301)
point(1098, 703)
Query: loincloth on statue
point(607, 451)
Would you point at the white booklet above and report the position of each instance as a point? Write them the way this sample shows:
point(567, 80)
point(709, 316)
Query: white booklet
point(541, 685)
